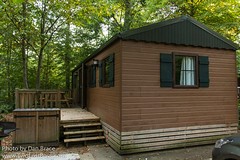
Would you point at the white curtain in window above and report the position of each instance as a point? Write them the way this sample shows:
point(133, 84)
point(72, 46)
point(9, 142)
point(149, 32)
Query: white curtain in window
point(187, 71)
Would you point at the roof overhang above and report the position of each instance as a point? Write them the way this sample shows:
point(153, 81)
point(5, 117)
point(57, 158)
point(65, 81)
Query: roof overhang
point(183, 30)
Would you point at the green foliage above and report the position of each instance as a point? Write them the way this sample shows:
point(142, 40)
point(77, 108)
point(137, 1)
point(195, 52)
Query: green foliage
point(67, 31)
point(1, 150)
point(6, 108)
point(17, 1)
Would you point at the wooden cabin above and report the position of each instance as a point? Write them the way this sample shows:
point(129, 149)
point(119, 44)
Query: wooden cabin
point(166, 85)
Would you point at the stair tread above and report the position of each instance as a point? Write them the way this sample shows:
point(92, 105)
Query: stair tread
point(81, 125)
point(81, 120)
point(81, 132)
point(83, 139)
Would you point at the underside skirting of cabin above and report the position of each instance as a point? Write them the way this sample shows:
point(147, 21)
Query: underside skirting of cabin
point(167, 138)
point(113, 137)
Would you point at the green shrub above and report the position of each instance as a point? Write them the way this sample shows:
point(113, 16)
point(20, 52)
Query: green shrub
point(1, 150)
point(6, 108)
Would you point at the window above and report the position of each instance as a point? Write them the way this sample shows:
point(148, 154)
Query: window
point(91, 76)
point(180, 70)
point(185, 70)
point(106, 72)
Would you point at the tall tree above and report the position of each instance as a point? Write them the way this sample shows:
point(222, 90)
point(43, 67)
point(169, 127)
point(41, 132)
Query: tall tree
point(127, 15)
point(23, 44)
point(19, 22)
point(123, 15)
point(49, 24)
point(67, 57)
point(10, 58)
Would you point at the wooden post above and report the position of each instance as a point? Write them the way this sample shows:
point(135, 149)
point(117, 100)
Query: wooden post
point(46, 99)
point(36, 129)
point(25, 97)
point(58, 99)
point(51, 100)
point(21, 98)
point(41, 99)
point(35, 99)
point(82, 91)
point(16, 98)
point(30, 100)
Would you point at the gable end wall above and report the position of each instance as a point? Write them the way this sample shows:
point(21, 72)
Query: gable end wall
point(145, 105)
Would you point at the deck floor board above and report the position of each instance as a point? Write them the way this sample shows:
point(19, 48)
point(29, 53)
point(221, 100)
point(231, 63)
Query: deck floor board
point(76, 114)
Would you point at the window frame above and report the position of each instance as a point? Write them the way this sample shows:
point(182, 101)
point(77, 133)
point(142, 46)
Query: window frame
point(106, 76)
point(175, 85)
point(107, 80)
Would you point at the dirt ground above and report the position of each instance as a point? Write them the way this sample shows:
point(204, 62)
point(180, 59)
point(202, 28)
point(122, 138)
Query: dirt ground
point(101, 151)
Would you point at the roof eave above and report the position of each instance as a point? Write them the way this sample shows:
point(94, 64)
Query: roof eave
point(99, 50)
point(215, 34)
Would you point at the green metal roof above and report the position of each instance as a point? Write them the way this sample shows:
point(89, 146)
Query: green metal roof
point(183, 30)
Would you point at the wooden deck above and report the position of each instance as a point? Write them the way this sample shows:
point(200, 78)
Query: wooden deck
point(69, 115)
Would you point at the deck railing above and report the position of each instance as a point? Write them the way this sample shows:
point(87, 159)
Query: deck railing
point(30, 98)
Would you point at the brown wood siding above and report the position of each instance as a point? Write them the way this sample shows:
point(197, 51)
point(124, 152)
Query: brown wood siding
point(106, 102)
point(145, 105)
point(167, 138)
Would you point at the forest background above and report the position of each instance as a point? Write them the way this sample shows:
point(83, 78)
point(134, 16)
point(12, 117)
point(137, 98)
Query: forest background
point(43, 40)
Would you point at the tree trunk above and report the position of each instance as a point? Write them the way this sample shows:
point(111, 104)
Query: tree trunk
point(23, 48)
point(192, 8)
point(42, 45)
point(47, 71)
point(128, 15)
point(38, 78)
point(67, 57)
point(8, 72)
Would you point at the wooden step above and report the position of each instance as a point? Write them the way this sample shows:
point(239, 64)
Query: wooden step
point(81, 125)
point(82, 132)
point(81, 120)
point(83, 139)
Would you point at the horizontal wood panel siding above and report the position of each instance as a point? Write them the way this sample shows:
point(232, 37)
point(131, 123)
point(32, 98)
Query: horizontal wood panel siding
point(145, 105)
point(113, 136)
point(106, 102)
point(157, 139)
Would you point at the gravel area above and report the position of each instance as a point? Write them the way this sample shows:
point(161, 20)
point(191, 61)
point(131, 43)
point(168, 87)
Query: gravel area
point(104, 152)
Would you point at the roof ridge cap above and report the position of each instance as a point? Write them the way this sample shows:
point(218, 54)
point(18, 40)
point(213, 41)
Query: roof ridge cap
point(153, 26)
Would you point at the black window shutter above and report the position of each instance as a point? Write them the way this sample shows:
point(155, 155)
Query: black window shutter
point(111, 70)
point(166, 70)
point(100, 67)
point(203, 71)
point(93, 76)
